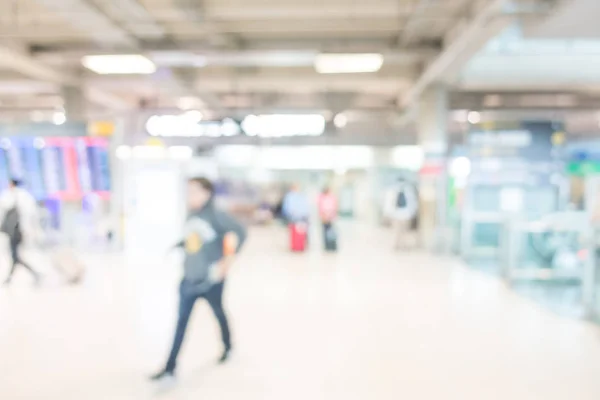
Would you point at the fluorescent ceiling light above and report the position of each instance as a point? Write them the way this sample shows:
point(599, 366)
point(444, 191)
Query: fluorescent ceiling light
point(340, 120)
point(474, 117)
point(59, 118)
point(348, 63)
point(119, 64)
point(281, 125)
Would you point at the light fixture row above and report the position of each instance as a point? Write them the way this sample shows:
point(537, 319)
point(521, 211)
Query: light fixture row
point(349, 63)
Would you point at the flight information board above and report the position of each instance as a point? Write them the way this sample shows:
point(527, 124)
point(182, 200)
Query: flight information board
point(98, 162)
point(64, 168)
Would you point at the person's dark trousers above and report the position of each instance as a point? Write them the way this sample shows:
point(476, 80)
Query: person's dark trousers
point(16, 259)
point(187, 299)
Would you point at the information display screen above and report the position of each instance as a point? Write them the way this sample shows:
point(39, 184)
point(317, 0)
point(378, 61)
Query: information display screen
point(98, 162)
point(54, 168)
point(83, 165)
point(63, 168)
point(33, 180)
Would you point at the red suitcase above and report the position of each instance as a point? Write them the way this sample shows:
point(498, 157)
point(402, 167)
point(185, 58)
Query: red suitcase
point(298, 233)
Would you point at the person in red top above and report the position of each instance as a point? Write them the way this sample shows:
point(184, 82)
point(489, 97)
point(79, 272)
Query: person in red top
point(328, 210)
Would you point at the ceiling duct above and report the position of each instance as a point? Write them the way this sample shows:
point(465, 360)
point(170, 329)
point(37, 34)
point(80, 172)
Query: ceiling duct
point(133, 17)
point(92, 22)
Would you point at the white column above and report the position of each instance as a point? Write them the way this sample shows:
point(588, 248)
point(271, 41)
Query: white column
point(432, 121)
point(117, 179)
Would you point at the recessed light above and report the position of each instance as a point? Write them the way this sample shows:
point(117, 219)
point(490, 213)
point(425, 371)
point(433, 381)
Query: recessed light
point(474, 117)
point(119, 64)
point(348, 63)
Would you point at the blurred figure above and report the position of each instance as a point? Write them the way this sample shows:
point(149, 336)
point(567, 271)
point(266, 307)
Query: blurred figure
point(328, 210)
point(296, 207)
point(401, 207)
point(211, 240)
point(296, 211)
point(19, 223)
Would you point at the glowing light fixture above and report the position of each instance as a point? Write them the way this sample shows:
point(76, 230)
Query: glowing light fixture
point(460, 167)
point(284, 125)
point(348, 63)
point(59, 118)
point(474, 117)
point(190, 124)
point(340, 120)
point(119, 64)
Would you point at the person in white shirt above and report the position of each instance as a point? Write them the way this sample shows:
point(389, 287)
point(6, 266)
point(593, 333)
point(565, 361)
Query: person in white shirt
point(19, 213)
point(401, 207)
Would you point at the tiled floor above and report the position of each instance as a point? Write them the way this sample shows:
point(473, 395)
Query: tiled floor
point(366, 323)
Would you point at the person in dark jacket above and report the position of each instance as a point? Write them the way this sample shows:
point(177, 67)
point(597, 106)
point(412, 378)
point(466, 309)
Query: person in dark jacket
point(212, 238)
point(19, 224)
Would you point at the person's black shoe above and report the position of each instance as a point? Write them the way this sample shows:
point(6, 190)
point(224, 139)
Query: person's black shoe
point(225, 356)
point(162, 375)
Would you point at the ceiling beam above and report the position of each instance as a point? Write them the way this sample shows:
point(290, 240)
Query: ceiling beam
point(13, 57)
point(415, 18)
point(487, 19)
point(90, 21)
point(468, 38)
point(359, 45)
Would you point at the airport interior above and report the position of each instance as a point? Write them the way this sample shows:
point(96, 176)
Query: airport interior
point(383, 200)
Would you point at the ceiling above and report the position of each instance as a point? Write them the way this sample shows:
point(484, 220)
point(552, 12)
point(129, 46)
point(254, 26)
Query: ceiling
point(248, 56)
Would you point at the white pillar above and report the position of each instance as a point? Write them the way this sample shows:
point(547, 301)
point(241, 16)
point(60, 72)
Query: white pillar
point(432, 122)
point(117, 179)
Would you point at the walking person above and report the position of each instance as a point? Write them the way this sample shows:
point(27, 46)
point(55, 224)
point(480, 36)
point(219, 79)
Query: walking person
point(18, 223)
point(328, 210)
point(401, 207)
point(296, 211)
point(211, 240)
point(296, 207)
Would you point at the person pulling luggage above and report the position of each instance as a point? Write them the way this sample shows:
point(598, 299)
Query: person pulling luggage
point(296, 210)
point(328, 210)
point(18, 223)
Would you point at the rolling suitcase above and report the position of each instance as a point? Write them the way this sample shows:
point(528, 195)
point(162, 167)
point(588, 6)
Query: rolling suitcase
point(68, 265)
point(298, 233)
point(330, 236)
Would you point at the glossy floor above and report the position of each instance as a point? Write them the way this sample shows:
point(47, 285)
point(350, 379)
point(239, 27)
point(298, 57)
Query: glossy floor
point(366, 323)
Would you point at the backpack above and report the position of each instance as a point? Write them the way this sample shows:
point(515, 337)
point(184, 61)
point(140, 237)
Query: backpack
point(11, 224)
point(401, 199)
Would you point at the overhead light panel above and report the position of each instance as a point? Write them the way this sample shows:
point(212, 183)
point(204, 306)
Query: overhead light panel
point(474, 117)
point(59, 118)
point(284, 125)
point(340, 120)
point(119, 64)
point(348, 63)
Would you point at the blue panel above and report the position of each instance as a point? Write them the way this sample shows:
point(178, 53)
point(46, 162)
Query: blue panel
point(31, 164)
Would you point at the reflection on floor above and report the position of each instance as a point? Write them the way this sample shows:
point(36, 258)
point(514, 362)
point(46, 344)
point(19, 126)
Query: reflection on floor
point(366, 323)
